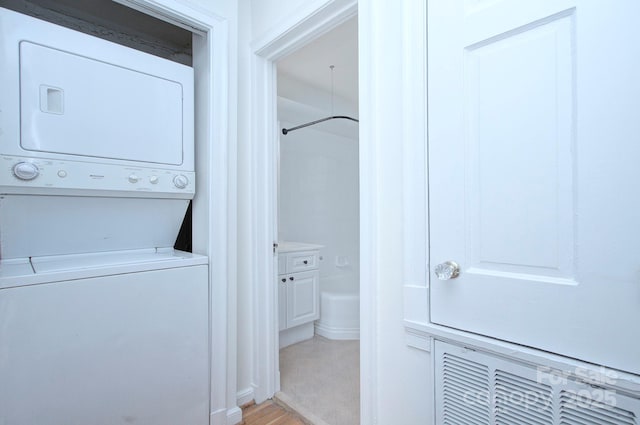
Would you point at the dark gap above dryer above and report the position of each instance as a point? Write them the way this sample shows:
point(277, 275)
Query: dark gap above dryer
point(184, 241)
point(113, 22)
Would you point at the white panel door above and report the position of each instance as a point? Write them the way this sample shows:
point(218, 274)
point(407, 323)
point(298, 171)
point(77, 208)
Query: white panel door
point(534, 167)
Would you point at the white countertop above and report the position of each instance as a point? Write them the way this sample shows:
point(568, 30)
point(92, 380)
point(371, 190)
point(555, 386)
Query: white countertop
point(286, 246)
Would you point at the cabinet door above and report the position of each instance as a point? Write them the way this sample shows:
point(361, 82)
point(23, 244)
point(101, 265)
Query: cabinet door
point(303, 302)
point(533, 171)
point(282, 302)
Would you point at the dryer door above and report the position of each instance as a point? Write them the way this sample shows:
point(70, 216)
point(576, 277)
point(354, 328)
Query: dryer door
point(74, 105)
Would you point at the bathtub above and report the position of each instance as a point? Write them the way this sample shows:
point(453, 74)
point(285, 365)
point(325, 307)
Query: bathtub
point(339, 308)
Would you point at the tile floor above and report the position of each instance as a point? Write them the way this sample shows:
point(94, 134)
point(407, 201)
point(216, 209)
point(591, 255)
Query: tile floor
point(320, 379)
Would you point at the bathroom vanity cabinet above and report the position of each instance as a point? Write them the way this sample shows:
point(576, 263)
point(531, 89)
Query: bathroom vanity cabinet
point(298, 291)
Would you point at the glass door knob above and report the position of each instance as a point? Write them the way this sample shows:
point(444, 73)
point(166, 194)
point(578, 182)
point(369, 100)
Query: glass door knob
point(447, 270)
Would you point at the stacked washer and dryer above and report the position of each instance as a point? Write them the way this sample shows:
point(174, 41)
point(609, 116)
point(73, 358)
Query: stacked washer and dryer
point(101, 320)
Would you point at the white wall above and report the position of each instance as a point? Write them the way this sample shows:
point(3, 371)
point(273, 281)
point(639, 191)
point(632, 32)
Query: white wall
point(268, 14)
point(400, 378)
point(319, 197)
point(245, 226)
point(297, 91)
point(224, 405)
point(240, 290)
point(401, 384)
point(223, 8)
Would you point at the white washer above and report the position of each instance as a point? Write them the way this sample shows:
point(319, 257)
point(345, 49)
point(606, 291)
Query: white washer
point(103, 339)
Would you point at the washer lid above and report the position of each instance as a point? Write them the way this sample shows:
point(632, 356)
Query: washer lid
point(15, 267)
point(51, 269)
point(58, 263)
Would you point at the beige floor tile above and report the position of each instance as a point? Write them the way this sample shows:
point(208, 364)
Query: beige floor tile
point(323, 377)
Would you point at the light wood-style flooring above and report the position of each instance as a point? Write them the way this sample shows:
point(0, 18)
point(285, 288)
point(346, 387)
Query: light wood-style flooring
point(268, 413)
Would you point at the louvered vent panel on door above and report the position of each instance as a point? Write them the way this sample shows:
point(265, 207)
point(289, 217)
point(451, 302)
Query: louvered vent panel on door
point(521, 401)
point(581, 410)
point(465, 391)
point(474, 387)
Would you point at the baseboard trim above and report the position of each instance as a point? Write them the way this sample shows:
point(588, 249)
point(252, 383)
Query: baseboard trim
point(234, 416)
point(245, 396)
point(297, 334)
point(337, 333)
point(219, 417)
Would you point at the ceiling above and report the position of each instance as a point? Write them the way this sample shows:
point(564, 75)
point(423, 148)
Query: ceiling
point(310, 64)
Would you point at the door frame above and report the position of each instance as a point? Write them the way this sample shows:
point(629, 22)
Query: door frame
point(214, 217)
point(298, 30)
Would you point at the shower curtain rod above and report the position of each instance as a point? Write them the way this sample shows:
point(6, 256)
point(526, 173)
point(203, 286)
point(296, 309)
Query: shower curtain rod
point(286, 130)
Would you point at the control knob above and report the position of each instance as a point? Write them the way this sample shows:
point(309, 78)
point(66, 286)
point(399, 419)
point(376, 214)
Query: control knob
point(26, 170)
point(180, 181)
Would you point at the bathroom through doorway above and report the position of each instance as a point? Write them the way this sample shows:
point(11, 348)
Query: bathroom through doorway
point(318, 228)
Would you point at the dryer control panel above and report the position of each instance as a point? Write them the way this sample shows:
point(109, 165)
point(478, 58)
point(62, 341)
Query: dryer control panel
point(43, 176)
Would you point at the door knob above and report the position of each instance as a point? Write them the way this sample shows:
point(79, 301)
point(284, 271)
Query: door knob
point(447, 270)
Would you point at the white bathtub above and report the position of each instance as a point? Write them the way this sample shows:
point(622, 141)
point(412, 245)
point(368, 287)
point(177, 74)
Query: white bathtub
point(339, 309)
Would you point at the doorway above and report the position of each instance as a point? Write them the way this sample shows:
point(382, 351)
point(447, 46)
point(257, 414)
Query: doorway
point(318, 216)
